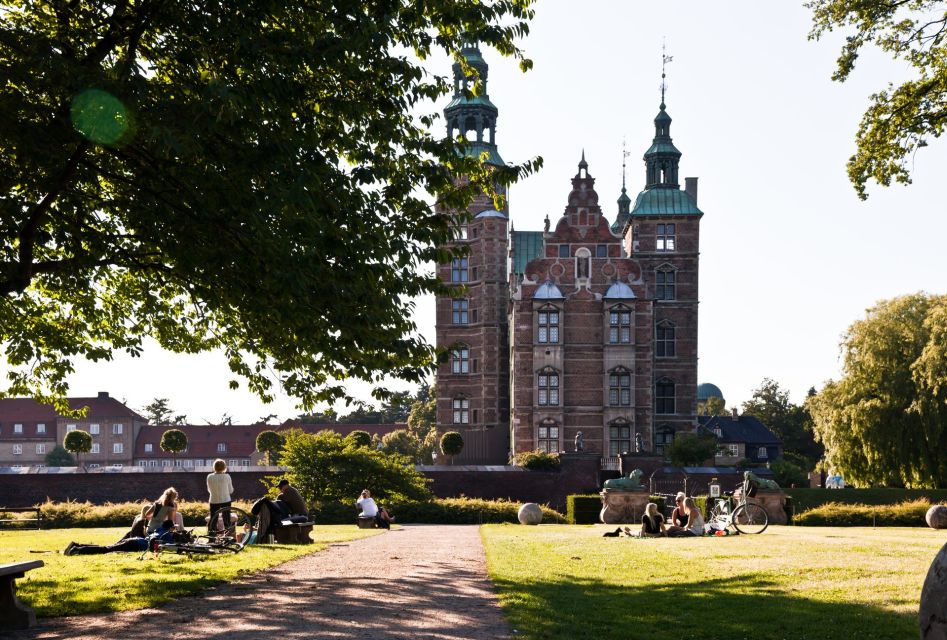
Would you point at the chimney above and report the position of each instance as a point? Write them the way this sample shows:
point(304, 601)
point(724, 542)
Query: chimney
point(734, 413)
point(690, 186)
point(103, 395)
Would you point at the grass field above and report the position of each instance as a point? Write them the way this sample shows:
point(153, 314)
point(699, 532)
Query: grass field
point(117, 581)
point(790, 583)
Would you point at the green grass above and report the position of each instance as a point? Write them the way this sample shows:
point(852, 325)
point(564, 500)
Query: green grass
point(790, 583)
point(118, 581)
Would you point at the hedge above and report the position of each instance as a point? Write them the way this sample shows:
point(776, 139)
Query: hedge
point(61, 515)
point(583, 509)
point(837, 514)
point(806, 499)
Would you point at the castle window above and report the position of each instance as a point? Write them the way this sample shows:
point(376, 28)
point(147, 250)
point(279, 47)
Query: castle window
point(458, 270)
point(41, 448)
point(459, 309)
point(475, 278)
point(665, 288)
point(462, 232)
point(118, 447)
point(665, 237)
point(18, 449)
point(41, 427)
point(601, 251)
point(663, 437)
point(94, 429)
point(664, 340)
point(762, 454)
point(117, 429)
point(548, 439)
point(461, 410)
point(619, 387)
point(96, 448)
point(460, 359)
point(563, 251)
point(664, 396)
point(619, 438)
point(583, 263)
point(18, 428)
point(619, 325)
point(548, 326)
point(548, 387)
point(149, 447)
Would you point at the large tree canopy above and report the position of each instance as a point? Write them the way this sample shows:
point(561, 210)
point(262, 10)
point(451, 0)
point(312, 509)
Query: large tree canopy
point(885, 421)
point(790, 422)
point(252, 177)
point(899, 119)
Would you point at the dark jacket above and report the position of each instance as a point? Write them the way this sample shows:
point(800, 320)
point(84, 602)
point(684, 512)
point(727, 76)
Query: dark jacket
point(293, 501)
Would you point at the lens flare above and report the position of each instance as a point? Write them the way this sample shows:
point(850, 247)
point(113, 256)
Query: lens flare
point(99, 116)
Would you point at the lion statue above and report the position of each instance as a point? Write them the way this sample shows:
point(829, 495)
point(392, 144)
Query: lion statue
point(633, 481)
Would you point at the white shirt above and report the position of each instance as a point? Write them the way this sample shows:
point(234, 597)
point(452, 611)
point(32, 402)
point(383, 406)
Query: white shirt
point(368, 507)
point(220, 487)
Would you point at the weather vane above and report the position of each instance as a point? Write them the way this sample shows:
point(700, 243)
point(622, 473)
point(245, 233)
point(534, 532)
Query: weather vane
point(665, 58)
point(624, 154)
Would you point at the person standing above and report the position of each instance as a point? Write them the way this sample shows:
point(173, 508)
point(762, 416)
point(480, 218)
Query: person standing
point(220, 488)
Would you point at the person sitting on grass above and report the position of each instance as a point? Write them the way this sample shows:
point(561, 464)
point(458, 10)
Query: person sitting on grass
point(678, 518)
point(161, 513)
point(695, 522)
point(652, 522)
point(369, 509)
point(139, 525)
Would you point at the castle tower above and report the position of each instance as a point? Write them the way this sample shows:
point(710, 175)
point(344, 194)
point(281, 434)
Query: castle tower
point(473, 382)
point(662, 233)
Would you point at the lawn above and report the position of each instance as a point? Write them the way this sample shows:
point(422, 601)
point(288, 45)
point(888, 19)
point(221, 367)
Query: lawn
point(117, 581)
point(790, 583)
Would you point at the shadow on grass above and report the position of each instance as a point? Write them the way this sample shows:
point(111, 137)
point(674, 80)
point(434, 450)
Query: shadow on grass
point(743, 606)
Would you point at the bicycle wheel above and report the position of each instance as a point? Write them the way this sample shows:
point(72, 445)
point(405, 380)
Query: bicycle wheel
point(240, 527)
point(750, 518)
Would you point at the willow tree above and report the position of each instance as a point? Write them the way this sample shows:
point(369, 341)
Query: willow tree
point(901, 118)
point(884, 422)
point(257, 179)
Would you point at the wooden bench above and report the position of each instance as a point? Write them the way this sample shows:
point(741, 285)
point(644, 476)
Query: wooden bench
point(367, 522)
point(38, 519)
point(13, 615)
point(292, 532)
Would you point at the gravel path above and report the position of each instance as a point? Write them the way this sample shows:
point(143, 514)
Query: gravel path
point(415, 582)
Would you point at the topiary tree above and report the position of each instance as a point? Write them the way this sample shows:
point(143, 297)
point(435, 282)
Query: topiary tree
point(174, 441)
point(77, 442)
point(59, 457)
point(359, 438)
point(452, 443)
point(270, 443)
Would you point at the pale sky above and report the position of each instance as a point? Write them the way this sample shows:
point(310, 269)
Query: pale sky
point(789, 256)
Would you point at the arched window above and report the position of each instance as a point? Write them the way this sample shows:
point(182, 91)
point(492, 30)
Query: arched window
point(548, 325)
point(664, 340)
point(664, 396)
point(548, 387)
point(583, 263)
point(548, 436)
point(619, 325)
point(619, 437)
point(461, 408)
point(460, 359)
point(665, 283)
point(663, 437)
point(619, 387)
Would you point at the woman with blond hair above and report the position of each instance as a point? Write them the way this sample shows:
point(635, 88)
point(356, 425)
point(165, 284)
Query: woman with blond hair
point(695, 521)
point(161, 513)
point(220, 488)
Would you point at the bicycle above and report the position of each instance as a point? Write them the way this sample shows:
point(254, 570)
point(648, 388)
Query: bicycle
point(745, 517)
point(242, 530)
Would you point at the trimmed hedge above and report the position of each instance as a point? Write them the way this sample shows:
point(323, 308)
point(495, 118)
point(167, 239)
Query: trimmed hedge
point(63, 515)
point(537, 460)
point(837, 514)
point(806, 499)
point(583, 509)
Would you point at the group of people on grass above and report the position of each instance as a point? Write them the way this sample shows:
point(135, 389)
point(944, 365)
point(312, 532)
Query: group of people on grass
point(686, 521)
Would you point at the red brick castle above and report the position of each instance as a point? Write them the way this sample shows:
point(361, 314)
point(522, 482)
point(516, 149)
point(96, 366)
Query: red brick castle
point(585, 326)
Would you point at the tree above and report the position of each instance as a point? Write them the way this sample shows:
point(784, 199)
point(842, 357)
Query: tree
point(452, 443)
point(884, 422)
point(712, 406)
point(900, 119)
point(221, 177)
point(270, 443)
point(359, 438)
point(174, 441)
point(790, 422)
point(691, 450)
point(329, 416)
point(409, 444)
point(324, 467)
point(160, 413)
point(77, 442)
point(59, 457)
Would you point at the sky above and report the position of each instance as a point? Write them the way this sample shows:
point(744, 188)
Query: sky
point(790, 257)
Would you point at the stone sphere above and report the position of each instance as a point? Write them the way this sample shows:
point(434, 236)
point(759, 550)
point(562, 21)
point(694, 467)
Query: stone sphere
point(937, 517)
point(530, 513)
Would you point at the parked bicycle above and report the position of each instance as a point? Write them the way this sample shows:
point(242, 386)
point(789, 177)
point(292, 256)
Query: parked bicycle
point(745, 516)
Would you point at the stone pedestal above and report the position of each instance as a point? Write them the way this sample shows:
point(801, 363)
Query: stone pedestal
point(623, 506)
point(774, 501)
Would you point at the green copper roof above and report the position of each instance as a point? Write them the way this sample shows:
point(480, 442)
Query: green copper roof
point(479, 100)
point(663, 202)
point(474, 149)
point(663, 147)
point(527, 245)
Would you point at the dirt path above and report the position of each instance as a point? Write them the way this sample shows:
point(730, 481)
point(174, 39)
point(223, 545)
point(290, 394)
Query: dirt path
point(415, 582)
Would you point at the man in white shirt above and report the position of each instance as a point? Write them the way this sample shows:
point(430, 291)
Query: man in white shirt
point(367, 505)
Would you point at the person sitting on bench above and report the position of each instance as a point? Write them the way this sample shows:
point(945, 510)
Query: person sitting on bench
point(288, 505)
point(368, 509)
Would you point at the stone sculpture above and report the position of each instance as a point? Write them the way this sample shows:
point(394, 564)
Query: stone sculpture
point(932, 616)
point(937, 517)
point(761, 482)
point(530, 513)
point(631, 483)
point(579, 442)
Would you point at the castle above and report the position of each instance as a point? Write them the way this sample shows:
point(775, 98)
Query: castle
point(587, 326)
